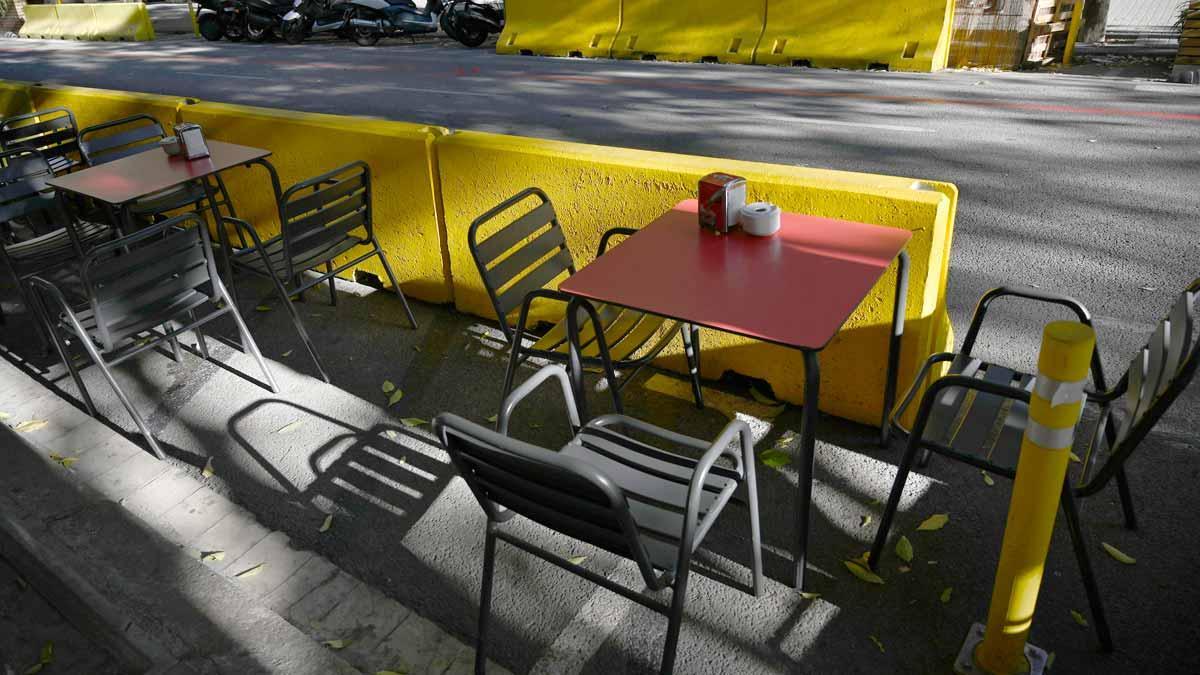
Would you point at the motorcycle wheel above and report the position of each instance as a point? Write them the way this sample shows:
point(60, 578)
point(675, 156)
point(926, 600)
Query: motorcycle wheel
point(471, 38)
point(363, 37)
point(210, 27)
point(293, 32)
point(257, 34)
point(235, 33)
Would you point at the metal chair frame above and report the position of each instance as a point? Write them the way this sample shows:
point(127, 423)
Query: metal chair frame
point(526, 271)
point(52, 131)
point(325, 209)
point(1149, 397)
point(576, 497)
point(180, 261)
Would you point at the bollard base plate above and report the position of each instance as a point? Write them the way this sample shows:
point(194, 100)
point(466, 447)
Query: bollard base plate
point(965, 663)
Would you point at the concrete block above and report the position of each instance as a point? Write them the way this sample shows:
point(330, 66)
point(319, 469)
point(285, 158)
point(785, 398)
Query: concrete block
point(422, 647)
point(309, 610)
point(280, 561)
point(314, 573)
point(100, 457)
point(162, 494)
point(197, 513)
point(234, 534)
point(367, 617)
point(129, 476)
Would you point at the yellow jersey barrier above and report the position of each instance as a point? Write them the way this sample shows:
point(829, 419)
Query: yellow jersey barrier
point(595, 188)
point(714, 31)
point(89, 21)
point(558, 28)
point(94, 106)
point(14, 99)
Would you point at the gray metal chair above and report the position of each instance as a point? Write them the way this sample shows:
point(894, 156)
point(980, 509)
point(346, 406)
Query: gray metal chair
point(628, 497)
point(160, 276)
point(52, 132)
point(977, 414)
point(537, 255)
point(321, 219)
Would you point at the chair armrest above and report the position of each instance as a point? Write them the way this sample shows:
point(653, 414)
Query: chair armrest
point(921, 376)
point(527, 303)
point(554, 370)
point(693, 529)
point(614, 232)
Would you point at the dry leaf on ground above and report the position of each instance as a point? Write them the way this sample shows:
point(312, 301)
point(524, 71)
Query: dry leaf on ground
point(263, 308)
point(388, 387)
point(413, 421)
point(946, 593)
point(987, 479)
point(935, 522)
point(207, 472)
point(395, 397)
point(253, 571)
point(761, 397)
point(337, 644)
point(212, 556)
point(290, 427)
point(774, 458)
point(29, 426)
point(1079, 618)
point(862, 572)
point(878, 644)
point(577, 560)
point(328, 523)
point(1117, 554)
point(904, 549)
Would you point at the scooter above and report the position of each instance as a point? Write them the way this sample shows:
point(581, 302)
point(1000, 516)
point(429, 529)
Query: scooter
point(471, 22)
point(264, 17)
point(369, 20)
point(220, 18)
point(312, 16)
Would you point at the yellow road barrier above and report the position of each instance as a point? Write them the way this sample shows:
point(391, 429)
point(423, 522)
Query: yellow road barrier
point(41, 21)
point(1054, 411)
point(909, 36)
point(14, 99)
point(698, 30)
point(89, 21)
point(406, 210)
point(94, 106)
point(558, 28)
point(595, 188)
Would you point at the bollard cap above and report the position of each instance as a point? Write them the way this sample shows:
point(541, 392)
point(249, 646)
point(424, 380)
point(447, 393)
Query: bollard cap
point(1066, 351)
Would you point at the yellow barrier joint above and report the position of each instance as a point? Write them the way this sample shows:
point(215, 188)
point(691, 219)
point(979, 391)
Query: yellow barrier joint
point(1055, 406)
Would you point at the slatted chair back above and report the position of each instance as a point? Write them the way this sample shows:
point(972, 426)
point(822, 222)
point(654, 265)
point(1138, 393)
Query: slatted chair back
point(51, 131)
point(319, 212)
point(536, 249)
point(562, 493)
point(149, 277)
point(1158, 373)
point(24, 192)
point(103, 143)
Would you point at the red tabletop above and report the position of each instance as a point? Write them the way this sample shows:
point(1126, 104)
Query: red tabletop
point(795, 288)
point(130, 178)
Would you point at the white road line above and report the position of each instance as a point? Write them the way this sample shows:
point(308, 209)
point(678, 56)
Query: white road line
point(838, 123)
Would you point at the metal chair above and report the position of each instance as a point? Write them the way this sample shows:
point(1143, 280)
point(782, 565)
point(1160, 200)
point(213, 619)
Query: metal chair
point(161, 275)
point(44, 236)
point(978, 413)
point(538, 254)
point(52, 131)
point(319, 219)
point(625, 496)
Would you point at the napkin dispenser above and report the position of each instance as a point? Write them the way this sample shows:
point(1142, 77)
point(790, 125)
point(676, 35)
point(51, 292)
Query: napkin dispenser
point(721, 198)
point(191, 141)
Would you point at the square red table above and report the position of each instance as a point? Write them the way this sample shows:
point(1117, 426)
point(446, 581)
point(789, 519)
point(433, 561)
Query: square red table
point(795, 288)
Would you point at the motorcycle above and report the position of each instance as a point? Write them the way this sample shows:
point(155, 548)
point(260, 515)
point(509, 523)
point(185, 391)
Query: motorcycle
point(364, 21)
point(263, 17)
point(220, 18)
point(471, 22)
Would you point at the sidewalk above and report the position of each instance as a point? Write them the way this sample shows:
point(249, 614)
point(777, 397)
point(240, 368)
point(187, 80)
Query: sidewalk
point(176, 576)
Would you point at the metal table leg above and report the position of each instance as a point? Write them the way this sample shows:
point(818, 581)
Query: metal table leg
point(222, 235)
point(899, 312)
point(575, 362)
point(808, 445)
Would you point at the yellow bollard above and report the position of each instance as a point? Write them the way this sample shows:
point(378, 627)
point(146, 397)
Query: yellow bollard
point(1054, 411)
point(1073, 33)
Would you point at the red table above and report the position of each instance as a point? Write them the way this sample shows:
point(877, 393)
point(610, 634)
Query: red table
point(795, 288)
point(124, 181)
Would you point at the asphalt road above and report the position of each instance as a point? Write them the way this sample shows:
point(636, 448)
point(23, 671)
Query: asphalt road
point(1081, 183)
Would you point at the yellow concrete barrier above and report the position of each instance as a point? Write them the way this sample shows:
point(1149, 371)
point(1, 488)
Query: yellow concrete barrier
point(41, 21)
point(90, 21)
point(557, 28)
point(405, 198)
point(911, 36)
point(93, 106)
point(699, 30)
point(595, 188)
point(14, 99)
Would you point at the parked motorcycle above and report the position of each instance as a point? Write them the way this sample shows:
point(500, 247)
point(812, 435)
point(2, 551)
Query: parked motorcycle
point(220, 18)
point(364, 21)
point(471, 22)
point(264, 17)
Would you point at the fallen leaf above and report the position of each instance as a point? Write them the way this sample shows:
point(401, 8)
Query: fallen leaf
point(416, 348)
point(29, 426)
point(930, 562)
point(4, 416)
point(66, 462)
point(388, 387)
point(535, 425)
point(987, 479)
point(289, 427)
point(35, 669)
point(328, 523)
point(775, 458)
point(1050, 660)
point(337, 644)
point(47, 655)
point(212, 556)
point(809, 596)
point(1149, 288)
point(761, 397)
point(775, 411)
point(1074, 457)
point(577, 560)
point(287, 353)
point(904, 549)
point(1117, 554)
point(413, 421)
point(904, 569)
point(863, 559)
point(22, 584)
point(946, 593)
point(862, 572)
point(263, 308)
point(865, 520)
point(253, 571)
point(208, 469)
point(493, 418)
point(935, 522)
point(395, 398)
point(877, 644)
point(1079, 619)
point(874, 502)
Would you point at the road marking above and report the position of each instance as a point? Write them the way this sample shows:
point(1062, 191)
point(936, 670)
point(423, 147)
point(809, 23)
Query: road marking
point(838, 123)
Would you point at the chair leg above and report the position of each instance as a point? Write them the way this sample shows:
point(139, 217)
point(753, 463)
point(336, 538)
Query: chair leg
point(1085, 567)
point(926, 455)
point(248, 342)
point(176, 354)
point(674, 623)
point(752, 504)
point(308, 344)
point(43, 317)
point(112, 382)
point(691, 347)
point(1126, 499)
point(332, 284)
point(893, 503)
point(201, 343)
point(412, 320)
point(485, 598)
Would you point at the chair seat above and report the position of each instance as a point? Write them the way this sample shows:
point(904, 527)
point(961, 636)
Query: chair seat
point(625, 332)
point(56, 246)
point(655, 482)
point(62, 164)
point(320, 251)
point(139, 318)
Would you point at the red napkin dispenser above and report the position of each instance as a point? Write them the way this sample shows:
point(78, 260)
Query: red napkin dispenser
point(721, 197)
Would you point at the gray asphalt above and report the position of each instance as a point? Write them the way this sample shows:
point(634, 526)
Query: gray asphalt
point(1082, 183)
